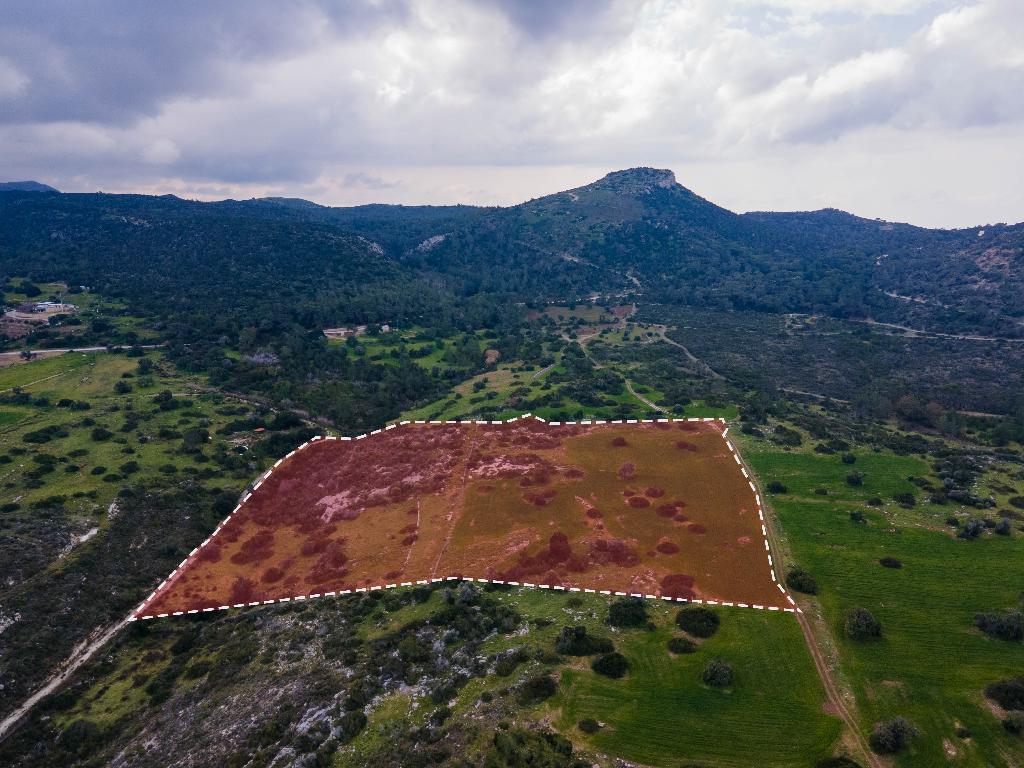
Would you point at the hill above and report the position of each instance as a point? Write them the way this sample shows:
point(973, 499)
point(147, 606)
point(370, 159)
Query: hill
point(25, 186)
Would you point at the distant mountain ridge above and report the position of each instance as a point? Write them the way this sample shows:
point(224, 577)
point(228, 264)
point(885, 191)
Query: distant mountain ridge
point(25, 186)
point(633, 231)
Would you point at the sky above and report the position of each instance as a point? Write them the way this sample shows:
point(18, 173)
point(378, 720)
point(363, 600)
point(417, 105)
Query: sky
point(906, 110)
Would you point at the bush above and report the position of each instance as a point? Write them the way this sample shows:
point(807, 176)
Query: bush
point(681, 645)
point(892, 736)
point(857, 516)
point(849, 458)
point(860, 624)
point(628, 612)
point(351, 724)
point(536, 689)
point(80, 737)
point(1005, 626)
point(574, 641)
point(786, 436)
point(1003, 527)
point(837, 762)
point(613, 665)
point(776, 487)
point(855, 478)
point(972, 529)
point(698, 620)
point(1008, 694)
point(517, 748)
point(508, 662)
point(802, 581)
point(589, 725)
point(1014, 722)
point(718, 673)
point(890, 562)
point(904, 499)
point(100, 434)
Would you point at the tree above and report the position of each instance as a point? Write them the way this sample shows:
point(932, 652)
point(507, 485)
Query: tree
point(628, 612)
point(860, 624)
point(802, 581)
point(892, 736)
point(679, 645)
point(574, 641)
point(698, 621)
point(537, 688)
point(718, 673)
point(613, 665)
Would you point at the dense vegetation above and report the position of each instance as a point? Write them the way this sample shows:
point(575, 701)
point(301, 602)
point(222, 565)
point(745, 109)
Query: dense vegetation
point(891, 460)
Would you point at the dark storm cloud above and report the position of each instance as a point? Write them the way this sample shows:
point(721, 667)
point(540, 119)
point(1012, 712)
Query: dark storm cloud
point(112, 61)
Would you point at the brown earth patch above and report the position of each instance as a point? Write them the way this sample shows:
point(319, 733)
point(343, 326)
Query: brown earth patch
point(425, 501)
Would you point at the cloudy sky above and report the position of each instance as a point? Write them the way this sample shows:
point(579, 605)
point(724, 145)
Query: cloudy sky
point(902, 109)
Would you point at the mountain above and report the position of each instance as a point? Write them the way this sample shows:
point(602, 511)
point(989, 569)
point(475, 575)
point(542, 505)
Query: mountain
point(634, 231)
point(25, 186)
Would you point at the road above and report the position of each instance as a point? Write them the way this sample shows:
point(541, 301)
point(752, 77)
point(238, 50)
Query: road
point(79, 656)
point(661, 331)
point(641, 398)
point(12, 358)
point(937, 334)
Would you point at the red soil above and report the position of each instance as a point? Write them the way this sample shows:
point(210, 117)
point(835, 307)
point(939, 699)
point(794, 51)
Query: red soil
point(419, 502)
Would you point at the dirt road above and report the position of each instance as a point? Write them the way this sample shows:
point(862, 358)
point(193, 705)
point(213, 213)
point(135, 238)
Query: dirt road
point(15, 357)
point(837, 703)
point(79, 656)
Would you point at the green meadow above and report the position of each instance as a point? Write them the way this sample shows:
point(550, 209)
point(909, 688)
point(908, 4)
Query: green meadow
point(930, 665)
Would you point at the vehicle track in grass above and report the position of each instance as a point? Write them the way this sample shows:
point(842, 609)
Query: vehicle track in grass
point(834, 696)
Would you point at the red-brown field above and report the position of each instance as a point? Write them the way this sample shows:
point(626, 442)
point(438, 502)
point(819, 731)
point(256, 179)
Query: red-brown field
point(650, 508)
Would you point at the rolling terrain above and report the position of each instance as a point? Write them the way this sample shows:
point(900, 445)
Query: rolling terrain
point(869, 372)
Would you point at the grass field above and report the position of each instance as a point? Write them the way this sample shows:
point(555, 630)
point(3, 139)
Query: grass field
point(660, 713)
point(931, 665)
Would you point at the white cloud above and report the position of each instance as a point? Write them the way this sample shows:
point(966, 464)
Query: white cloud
point(297, 103)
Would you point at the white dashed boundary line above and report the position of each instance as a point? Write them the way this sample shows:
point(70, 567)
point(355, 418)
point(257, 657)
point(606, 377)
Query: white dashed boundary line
point(556, 587)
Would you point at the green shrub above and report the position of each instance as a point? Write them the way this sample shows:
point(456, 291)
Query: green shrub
point(613, 665)
point(890, 562)
point(80, 737)
point(1005, 626)
point(1008, 694)
point(628, 612)
point(519, 748)
point(1014, 722)
point(802, 581)
point(589, 725)
point(536, 689)
point(860, 624)
point(837, 762)
point(574, 641)
point(698, 620)
point(681, 645)
point(892, 736)
point(904, 499)
point(351, 724)
point(718, 673)
point(776, 487)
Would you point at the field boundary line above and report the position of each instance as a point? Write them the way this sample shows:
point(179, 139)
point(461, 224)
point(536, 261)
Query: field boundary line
point(138, 613)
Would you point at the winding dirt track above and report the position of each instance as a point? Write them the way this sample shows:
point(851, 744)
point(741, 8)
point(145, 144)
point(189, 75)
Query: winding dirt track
point(79, 656)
